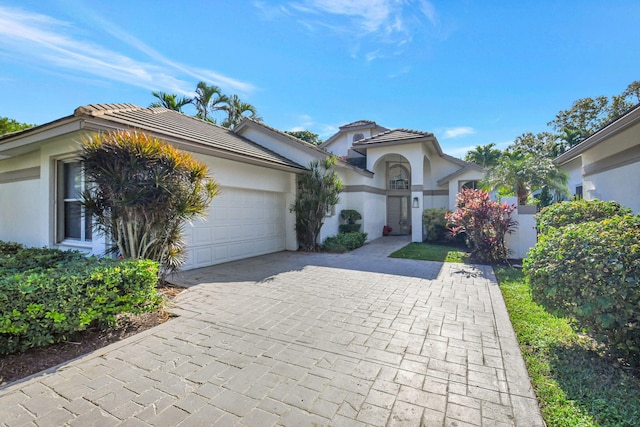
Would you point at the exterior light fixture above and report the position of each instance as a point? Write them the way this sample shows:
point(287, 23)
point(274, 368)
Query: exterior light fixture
point(416, 202)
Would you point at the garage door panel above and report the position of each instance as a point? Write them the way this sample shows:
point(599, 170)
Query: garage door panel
point(241, 224)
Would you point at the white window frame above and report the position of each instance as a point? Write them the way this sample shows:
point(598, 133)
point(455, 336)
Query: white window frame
point(60, 182)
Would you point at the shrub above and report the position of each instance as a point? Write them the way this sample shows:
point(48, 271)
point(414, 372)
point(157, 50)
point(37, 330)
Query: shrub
point(41, 306)
point(577, 211)
point(485, 222)
point(435, 223)
point(344, 242)
point(591, 272)
point(349, 216)
point(14, 258)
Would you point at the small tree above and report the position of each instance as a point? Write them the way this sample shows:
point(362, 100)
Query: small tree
point(141, 192)
point(318, 192)
point(521, 174)
point(485, 223)
point(349, 216)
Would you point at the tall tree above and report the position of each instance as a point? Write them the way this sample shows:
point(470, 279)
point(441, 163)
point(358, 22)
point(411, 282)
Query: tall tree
point(543, 144)
point(237, 110)
point(170, 101)
point(10, 125)
point(142, 192)
point(571, 137)
point(318, 192)
point(521, 174)
point(208, 100)
point(484, 155)
point(306, 135)
point(586, 115)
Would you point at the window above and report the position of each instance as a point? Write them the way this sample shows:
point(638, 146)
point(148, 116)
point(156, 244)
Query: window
point(471, 185)
point(72, 223)
point(358, 137)
point(578, 195)
point(398, 178)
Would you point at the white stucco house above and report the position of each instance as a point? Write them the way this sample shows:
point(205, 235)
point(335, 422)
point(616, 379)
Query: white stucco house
point(389, 176)
point(606, 165)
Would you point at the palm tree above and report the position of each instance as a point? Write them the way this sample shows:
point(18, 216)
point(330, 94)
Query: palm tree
point(572, 137)
point(236, 110)
point(522, 174)
point(170, 101)
point(208, 100)
point(484, 155)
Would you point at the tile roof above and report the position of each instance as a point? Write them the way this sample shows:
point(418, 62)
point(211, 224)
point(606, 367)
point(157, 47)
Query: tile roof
point(393, 136)
point(177, 125)
point(358, 123)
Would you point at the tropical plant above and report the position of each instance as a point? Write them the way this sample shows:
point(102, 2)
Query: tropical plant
point(208, 100)
point(8, 125)
point(141, 192)
point(237, 110)
point(485, 222)
point(349, 216)
point(435, 224)
point(484, 155)
point(318, 192)
point(170, 101)
point(521, 174)
point(306, 135)
point(572, 137)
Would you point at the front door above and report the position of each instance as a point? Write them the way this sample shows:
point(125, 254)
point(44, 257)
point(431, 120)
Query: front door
point(398, 214)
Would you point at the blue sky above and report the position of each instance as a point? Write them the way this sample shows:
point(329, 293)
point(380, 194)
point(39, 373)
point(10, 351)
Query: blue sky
point(472, 72)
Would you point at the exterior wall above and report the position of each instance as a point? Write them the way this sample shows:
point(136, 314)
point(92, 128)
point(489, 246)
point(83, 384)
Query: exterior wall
point(19, 221)
point(341, 146)
point(456, 184)
point(620, 184)
point(525, 236)
point(574, 170)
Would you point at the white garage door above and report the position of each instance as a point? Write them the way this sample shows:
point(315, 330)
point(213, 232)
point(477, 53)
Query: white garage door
point(241, 224)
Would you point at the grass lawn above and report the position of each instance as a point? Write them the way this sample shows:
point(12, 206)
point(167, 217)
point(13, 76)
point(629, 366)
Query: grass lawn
point(428, 252)
point(575, 385)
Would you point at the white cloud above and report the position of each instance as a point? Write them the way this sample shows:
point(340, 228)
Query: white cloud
point(458, 131)
point(306, 122)
point(48, 42)
point(373, 23)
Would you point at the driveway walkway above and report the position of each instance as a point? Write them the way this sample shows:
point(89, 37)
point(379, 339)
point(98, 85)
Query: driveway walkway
point(297, 339)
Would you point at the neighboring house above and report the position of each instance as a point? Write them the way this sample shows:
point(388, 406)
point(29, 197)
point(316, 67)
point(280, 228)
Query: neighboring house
point(606, 165)
point(390, 176)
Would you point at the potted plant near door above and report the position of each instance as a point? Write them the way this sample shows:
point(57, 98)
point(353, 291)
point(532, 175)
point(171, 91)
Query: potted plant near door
point(386, 230)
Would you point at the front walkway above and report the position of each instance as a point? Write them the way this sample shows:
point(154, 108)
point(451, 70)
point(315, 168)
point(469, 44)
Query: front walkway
point(298, 339)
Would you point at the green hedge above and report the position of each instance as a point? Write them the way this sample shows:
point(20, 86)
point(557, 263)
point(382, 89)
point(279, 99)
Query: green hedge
point(344, 242)
point(577, 211)
point(591, 272)
point(42, 305)
point(435, 224)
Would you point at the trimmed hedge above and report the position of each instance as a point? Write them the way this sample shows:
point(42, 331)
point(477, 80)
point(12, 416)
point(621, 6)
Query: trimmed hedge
point(591, 272)
point(349, 216)
point(435, 224)
point(577, 211)
point(344, 242)
point(42, 305)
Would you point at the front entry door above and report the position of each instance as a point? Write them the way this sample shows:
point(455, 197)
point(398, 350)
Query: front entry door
point(398, 214)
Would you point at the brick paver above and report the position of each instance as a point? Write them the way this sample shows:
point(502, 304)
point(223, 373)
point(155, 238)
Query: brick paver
point(296, 339)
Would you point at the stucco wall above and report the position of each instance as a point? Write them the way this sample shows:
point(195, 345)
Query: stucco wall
point(19, 218)
point(620, 184)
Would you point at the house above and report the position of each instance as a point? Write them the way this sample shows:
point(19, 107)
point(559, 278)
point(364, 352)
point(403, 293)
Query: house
point(389, 176)
point(606, 165)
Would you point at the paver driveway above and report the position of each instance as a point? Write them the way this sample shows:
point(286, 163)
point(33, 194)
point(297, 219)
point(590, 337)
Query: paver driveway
point(297, 339)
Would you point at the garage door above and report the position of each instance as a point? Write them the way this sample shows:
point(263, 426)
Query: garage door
point(241, 224)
